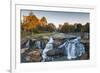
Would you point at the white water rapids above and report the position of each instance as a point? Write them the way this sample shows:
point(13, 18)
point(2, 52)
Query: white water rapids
point(72, 48)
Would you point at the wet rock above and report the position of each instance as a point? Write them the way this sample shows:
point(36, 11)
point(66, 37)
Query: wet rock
point(51, 53)
point(84, 57)
point(34, 56)
point(23, 50)
point(55, 52)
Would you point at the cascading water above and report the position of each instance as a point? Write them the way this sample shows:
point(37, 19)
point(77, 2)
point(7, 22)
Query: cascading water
point(38, 44)
point(73, 48)
point(49, 46)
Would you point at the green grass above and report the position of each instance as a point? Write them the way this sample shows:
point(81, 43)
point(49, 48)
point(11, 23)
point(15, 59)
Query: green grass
point(35, 35)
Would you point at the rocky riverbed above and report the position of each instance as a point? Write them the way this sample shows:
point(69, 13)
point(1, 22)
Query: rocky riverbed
point(30, 53)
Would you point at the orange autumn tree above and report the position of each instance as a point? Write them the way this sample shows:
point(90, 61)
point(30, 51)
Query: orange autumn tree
point(31, 22)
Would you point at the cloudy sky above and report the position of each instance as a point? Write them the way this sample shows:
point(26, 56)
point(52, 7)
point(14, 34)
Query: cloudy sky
point(60, 17)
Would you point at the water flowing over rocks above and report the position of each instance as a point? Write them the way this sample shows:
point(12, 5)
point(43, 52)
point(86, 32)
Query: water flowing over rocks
point(58, 47)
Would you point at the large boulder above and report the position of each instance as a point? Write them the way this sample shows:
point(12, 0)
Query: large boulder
point(34, 56)
point(55, 52)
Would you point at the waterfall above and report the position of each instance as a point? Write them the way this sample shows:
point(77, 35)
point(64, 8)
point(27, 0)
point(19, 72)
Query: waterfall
point(49, 46)
point(73, 48)
point(38, 44)
point(27, 44)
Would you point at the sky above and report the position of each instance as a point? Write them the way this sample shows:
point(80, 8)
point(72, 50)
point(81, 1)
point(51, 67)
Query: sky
point(60, 17)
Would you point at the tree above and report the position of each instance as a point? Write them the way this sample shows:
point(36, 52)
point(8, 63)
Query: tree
point(86, 27)
point(71, 28)
point(31, 13)
point(65, 28)
point(35, 30)
point(78, 27)
point(52, 26)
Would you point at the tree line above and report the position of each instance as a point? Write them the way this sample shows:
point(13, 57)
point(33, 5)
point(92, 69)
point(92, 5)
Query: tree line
point(65, 28)
point(77, 27)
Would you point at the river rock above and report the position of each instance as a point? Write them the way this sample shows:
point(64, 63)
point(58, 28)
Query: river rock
point(35, 55)
point(55, 52)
